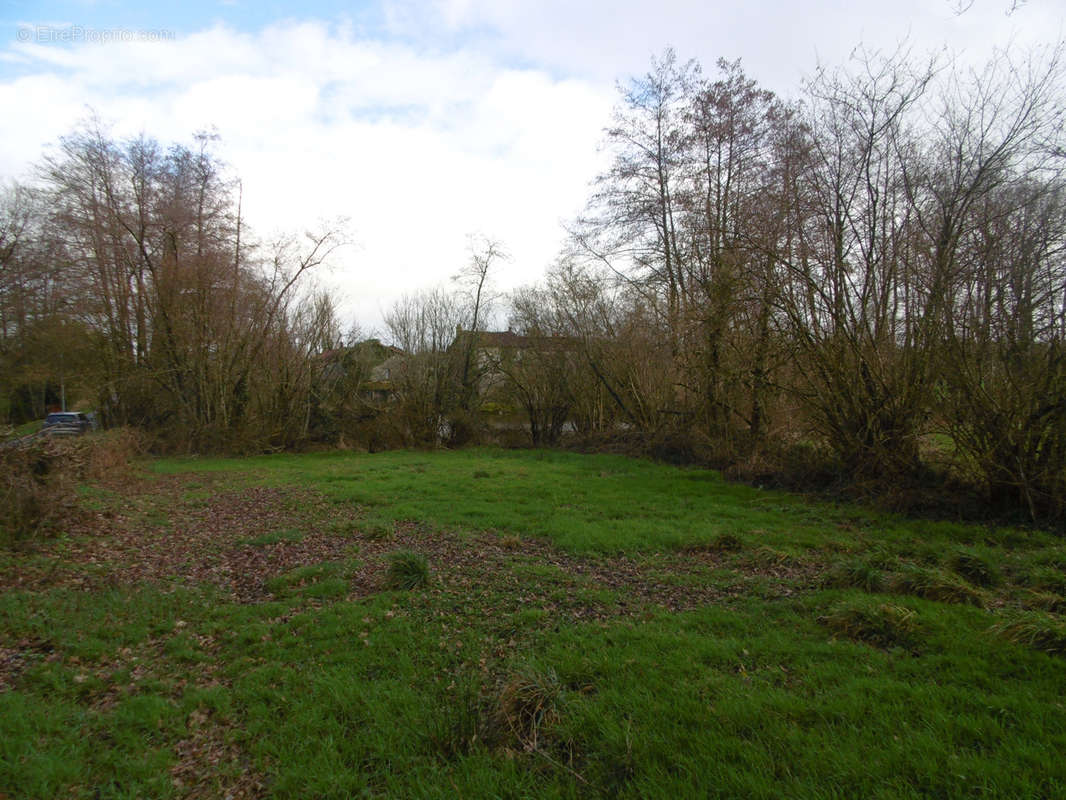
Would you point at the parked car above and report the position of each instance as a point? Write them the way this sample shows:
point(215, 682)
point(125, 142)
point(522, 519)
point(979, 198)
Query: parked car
point(66, 423)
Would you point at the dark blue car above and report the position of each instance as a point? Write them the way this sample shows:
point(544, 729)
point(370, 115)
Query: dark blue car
point(66, 423)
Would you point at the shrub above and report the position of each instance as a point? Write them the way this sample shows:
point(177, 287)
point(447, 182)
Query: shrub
point(883, 626)
point(108, 454)
point(407, 570)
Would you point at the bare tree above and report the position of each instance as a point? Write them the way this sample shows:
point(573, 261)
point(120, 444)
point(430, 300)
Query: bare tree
point(427, 383)
point(475, 282)
point(186, 304)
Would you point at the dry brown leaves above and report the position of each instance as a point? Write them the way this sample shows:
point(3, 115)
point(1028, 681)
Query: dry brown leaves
point(211, 765)
point(154, 533)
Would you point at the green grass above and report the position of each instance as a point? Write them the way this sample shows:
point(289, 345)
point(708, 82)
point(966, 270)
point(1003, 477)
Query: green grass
point(606, 504)
point(407, 570)
point(846, 653)
point(274, 537)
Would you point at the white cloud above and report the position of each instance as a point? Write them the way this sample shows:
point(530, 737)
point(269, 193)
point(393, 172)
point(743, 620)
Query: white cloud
point(417, 148)
point(476, 115)
point(778, 41)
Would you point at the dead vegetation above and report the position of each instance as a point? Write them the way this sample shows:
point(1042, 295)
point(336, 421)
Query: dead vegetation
point(38, 480)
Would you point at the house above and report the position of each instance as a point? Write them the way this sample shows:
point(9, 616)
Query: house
point(368, 367)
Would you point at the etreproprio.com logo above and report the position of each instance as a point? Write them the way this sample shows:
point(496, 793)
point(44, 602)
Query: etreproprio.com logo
point(77, 34)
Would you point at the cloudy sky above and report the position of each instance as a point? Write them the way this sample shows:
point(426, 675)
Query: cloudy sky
point(424, 122)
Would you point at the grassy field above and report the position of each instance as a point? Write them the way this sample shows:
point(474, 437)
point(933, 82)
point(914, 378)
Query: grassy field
point(493, 623)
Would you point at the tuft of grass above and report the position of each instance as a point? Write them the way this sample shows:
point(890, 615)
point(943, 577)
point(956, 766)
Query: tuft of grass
point(768, 557)
point(527, 705)
point(1047, 579)
point(378, 531)
point(328, 579)
point(934, 584)
point(511, 541)
point(274, 537)
point(407, 570)
point(1035, 629)
point(343, 527)
point(480, 473)
point(461, 724)
point(726, 543)
point(1034, 599)
point(857, 574)
point(975, 568)
point(884, 626)
point(722, 543)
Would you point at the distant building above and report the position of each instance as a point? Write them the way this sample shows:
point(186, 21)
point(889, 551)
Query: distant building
point(369, 366)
